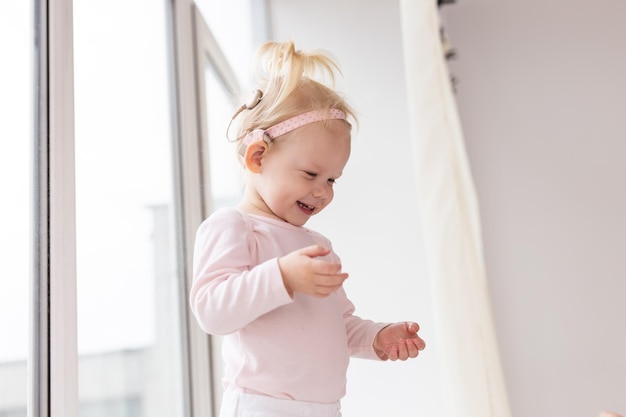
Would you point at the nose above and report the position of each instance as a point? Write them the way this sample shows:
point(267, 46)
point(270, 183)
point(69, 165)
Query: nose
point(322, 191)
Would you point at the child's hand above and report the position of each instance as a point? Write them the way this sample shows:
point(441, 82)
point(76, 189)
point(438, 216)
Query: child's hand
point(398, 341)
point(303, 273)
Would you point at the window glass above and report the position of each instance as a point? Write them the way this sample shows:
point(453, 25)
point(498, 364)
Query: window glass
point(225, 170)
point(129, 321)
point(234, 26)
point(15, 211)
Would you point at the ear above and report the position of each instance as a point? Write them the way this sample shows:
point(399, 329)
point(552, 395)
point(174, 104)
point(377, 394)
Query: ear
point(254, 156)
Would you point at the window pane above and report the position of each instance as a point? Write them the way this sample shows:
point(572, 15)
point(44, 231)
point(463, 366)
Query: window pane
point(232, 24)
point(225, 171)
point(15, 211)
point(129, 321)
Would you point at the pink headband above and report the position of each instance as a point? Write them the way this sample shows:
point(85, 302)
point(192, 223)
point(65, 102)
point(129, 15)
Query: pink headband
point(291, 124)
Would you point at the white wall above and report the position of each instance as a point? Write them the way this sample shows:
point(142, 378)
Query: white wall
point(542, 96)
point(541, 100)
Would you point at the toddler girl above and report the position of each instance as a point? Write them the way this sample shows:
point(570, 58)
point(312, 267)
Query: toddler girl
point(270, 285)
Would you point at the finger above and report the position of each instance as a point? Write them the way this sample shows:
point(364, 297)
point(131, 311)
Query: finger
point(418, 341)
point(412, 348)
point(412, 327)
point(323, 290)
point(330, 280)
point(403, 351)
point(324, 267)
point(314, 251)
point(327, 284)
point(392, 353)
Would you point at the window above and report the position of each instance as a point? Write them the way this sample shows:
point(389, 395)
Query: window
point(98, 216)
point(15, 210)
point(128, 294)
point(224, 172)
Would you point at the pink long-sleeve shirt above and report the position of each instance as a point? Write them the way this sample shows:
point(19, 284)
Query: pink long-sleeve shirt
point(295, 348)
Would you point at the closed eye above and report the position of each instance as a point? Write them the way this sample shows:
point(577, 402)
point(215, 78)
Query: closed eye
point(313, 175)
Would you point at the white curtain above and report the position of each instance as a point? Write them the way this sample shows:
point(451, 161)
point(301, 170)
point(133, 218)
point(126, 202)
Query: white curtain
point(472, 378)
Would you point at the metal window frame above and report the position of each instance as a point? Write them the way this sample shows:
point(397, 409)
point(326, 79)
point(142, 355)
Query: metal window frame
point(53, 358)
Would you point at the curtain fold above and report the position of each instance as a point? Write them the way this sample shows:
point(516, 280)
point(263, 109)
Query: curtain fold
point(472, 378)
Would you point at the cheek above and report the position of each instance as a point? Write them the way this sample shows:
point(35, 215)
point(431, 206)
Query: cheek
point(331, 195)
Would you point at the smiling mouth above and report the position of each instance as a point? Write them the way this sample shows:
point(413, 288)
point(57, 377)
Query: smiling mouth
point(306, 207)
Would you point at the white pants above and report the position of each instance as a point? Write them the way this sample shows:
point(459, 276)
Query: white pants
point(240, 404)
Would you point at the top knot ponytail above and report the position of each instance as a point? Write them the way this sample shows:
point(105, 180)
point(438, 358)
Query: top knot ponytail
point(292, 82)
point(280, 67)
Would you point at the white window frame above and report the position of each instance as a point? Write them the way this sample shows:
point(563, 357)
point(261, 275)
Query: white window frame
point(191, 208)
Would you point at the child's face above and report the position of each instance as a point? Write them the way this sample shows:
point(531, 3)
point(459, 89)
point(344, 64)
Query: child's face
point(298, 173)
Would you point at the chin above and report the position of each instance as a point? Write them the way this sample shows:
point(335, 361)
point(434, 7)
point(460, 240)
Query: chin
point(298, 222)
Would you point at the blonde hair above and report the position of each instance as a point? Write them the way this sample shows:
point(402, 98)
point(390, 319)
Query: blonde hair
point(286, 81)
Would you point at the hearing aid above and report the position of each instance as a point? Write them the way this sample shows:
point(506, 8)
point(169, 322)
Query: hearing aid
point(249, 104)
point(253, 99)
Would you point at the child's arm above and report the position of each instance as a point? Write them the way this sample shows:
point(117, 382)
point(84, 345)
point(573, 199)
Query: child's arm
point(229, 290)
point(360, 332)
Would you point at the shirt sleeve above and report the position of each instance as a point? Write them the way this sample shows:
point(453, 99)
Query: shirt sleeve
point(229, 290)
point(360, 332)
